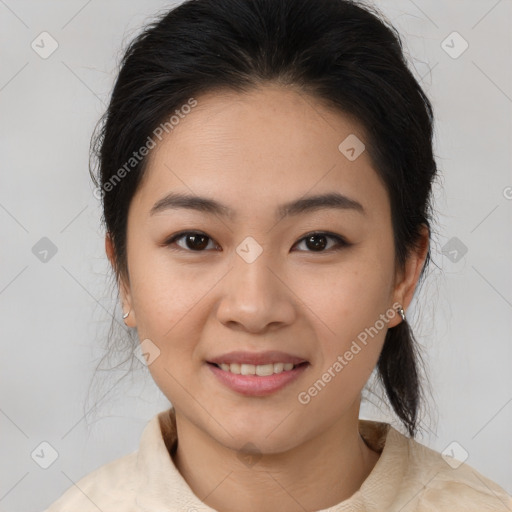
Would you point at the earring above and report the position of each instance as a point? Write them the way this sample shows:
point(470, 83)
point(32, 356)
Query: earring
point(402, 313)
point(125, 316)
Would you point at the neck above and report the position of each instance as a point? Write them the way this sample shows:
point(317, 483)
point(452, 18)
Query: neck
point(318, 474)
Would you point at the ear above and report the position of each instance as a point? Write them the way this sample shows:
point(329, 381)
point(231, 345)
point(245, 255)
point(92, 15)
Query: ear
point(124, 288)
point(407, 278)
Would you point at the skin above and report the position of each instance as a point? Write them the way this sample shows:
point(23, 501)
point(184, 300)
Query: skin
point(252, 152)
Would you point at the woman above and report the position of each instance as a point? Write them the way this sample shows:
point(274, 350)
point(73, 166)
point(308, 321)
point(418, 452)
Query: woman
point(266, 168)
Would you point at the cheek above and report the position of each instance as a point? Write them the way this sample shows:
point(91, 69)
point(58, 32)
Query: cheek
point(350, 296)
point(164, 293)
point(346, 305)
point(350, 333)
point(167, 300)
point(169, 312)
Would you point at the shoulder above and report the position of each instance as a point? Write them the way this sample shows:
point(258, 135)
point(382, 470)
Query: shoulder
point(435, 482)
point(124, 483)
point(110, 487)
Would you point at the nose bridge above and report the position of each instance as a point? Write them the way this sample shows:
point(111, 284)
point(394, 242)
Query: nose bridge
point(253, 295)
point(251, 273)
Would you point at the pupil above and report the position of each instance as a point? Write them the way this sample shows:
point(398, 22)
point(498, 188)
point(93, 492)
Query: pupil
point(319, 244)
point(197, 242)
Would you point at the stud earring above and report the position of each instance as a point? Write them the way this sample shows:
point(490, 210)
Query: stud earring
point(125, 316)
point(402, 313)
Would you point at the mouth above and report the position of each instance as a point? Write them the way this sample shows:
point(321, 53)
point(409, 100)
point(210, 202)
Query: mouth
point(260, 370)
point(257, 380)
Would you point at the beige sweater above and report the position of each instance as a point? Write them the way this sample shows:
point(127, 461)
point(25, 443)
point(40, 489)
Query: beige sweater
point(407, 477)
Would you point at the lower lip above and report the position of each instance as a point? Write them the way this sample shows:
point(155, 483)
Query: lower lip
point(254, 385)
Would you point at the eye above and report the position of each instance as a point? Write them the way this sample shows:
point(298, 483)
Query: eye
point(318, 241)
point(194, 241)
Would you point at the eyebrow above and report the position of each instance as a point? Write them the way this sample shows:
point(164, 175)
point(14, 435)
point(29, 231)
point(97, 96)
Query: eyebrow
point(333, 200)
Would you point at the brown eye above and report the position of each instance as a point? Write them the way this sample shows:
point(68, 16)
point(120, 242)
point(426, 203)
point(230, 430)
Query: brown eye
point(194, 241)
point(317, 242)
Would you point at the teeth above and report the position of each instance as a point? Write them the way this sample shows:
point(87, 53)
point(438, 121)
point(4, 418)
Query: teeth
point(278, 367)
point(233, 368)
point(261, 370)
point(264, 369)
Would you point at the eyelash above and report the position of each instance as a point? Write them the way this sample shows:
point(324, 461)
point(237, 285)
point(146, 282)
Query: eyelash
point(340, 242)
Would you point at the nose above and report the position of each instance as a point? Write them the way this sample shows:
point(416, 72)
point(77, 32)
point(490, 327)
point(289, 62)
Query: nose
point(256, 297)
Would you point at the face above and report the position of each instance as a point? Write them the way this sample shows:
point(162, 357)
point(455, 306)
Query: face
point(252, 281)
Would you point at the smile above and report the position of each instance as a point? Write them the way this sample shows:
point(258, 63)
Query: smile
point(257, 380)
point(261, 370)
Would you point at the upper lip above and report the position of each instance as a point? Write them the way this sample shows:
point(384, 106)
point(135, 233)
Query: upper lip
point(256, 358)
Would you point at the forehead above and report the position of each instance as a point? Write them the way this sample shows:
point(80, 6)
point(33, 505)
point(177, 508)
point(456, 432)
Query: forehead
point(262, 147)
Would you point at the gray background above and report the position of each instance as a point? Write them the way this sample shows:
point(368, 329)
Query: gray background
point(55, 313)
